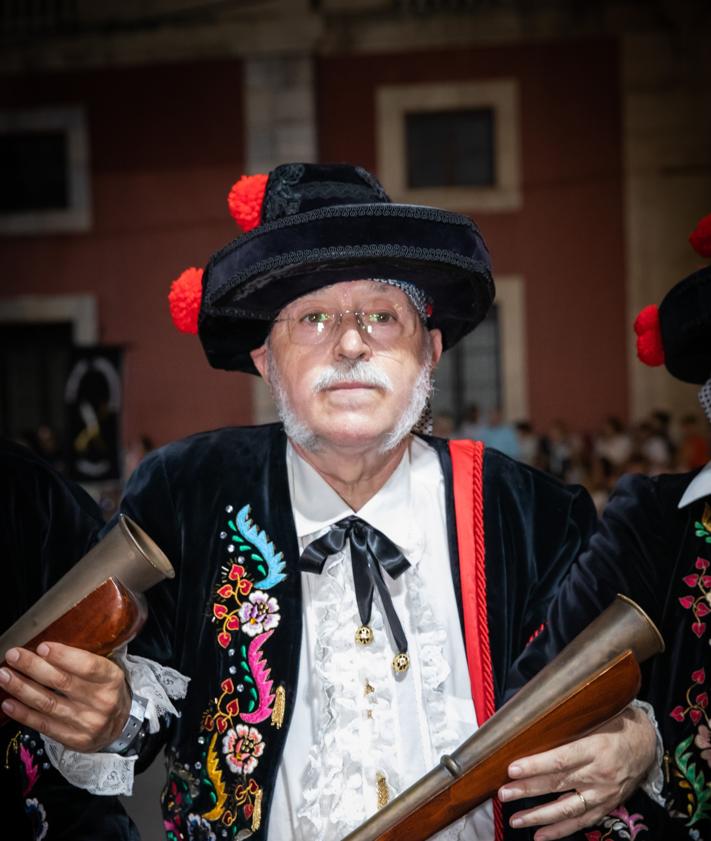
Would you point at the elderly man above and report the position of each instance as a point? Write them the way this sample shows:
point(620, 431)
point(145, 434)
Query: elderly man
point(350, 597)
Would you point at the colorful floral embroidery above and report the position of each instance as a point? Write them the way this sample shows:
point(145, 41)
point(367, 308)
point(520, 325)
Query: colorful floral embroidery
point(219, 791)
point(702, 741)
point(691, 800)
point(703, 527)
point(694, 707)
point(618, 824)
point(259, 614)
point(28, 750)
point(692, 781)
point(699, 603)
point(38, 818)
point(242, 747)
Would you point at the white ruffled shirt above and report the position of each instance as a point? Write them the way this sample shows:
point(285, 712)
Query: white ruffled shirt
point(358, 730)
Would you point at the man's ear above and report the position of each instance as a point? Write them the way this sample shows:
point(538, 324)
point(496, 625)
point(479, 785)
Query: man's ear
point(259, 357)
point(436, 337)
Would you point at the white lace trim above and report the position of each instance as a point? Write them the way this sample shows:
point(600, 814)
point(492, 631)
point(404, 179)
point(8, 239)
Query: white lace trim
point(339, 787)
point(109, 773)
point(654, 783)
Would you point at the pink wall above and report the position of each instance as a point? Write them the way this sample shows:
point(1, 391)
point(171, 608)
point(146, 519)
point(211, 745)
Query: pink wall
point(166, 143)
point(568, 239)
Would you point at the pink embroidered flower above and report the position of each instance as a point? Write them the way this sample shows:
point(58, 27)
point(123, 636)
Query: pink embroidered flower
point(703, 740)
point(259, 614)
point(242, 747)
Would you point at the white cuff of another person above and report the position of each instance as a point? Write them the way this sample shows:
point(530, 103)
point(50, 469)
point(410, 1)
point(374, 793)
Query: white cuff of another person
point(654, 783)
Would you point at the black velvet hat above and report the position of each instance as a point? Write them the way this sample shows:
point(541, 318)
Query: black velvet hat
point(678, 332)
point(314, 225)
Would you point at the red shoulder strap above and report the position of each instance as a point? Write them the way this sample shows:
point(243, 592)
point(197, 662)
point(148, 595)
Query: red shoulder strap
point(467, 470)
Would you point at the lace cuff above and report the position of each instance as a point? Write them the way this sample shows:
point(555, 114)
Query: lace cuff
point(110, 773)
point(654, 782)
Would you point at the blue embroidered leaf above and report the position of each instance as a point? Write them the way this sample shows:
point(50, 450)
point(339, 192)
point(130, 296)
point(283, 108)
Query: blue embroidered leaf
point(275, 563)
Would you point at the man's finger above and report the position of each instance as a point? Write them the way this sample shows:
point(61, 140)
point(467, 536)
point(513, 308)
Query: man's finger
point(557, 761)
point(34, 695)
point(25, 663)
point(535, 786)
point(67, 733)
point(90, 667)
point(559, 818)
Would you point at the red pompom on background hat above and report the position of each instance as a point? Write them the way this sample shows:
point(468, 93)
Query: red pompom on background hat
point(700, 237)
point(184, 298)
point(650, 349)
point(245, 200)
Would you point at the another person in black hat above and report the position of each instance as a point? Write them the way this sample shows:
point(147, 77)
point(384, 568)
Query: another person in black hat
point(350, 597)
point(654, 545)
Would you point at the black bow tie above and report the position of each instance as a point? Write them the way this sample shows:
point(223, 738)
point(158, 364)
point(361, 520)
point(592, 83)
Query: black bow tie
point(371, 552)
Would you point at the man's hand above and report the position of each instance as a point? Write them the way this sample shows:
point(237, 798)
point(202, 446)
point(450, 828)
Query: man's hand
point(593, 775)
point(79, 699)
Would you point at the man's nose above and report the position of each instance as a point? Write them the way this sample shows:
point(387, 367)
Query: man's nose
point(350, 342)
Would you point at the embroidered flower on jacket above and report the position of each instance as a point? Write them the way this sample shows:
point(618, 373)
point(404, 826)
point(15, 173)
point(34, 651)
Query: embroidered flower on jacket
point(242, 746)
point(703, 740)
point(38, 818)
point(199, 829)
point(259, 614)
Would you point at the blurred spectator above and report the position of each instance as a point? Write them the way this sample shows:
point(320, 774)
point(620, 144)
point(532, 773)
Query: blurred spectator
point(529, 444)
point(694, 447)
point(613, 446)
point(471, 425)
point(557, 450)
point(500, 435)
point(654, 447)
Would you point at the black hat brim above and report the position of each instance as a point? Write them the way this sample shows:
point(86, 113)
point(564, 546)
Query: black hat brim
point(251, 280)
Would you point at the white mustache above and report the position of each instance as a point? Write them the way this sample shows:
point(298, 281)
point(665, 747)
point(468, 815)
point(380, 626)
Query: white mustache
point(366, 373)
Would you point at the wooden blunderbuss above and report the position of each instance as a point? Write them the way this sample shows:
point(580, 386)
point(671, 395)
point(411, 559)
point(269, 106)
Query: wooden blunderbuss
point(589, 682)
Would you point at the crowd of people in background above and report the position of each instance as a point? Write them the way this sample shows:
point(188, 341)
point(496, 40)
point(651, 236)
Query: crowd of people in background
point(658, 444)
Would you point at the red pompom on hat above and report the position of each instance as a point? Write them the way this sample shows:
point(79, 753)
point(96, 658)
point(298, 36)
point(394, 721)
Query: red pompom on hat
point(650, 349)
point(184, 297)
point(700, 237)
point(245, 200)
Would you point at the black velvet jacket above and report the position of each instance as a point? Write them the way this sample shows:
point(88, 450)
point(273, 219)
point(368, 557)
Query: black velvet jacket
point(660, 556)
point(46, 525)
point(218, 504)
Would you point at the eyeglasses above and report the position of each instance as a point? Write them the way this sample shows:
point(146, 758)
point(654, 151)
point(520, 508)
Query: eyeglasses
point(381, 326)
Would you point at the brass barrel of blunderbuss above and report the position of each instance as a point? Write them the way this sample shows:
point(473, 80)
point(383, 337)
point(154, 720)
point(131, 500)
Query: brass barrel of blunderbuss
point(590, 681)
point(98, 604)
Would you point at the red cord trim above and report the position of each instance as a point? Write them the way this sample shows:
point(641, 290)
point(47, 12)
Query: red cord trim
point(467, 472)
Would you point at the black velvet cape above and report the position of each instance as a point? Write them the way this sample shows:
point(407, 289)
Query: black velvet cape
point(660, 556)
point(46, 525)
point(218, 504)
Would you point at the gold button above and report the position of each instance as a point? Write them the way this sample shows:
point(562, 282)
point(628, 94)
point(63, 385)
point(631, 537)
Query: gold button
point(364, 635)
point(401, 662)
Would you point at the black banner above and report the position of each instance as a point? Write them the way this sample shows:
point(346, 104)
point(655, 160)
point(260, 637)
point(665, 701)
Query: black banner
point(93, 397)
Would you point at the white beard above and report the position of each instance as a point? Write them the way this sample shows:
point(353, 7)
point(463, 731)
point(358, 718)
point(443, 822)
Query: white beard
point(300, 433)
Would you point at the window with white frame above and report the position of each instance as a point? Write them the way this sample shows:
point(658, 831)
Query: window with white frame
point(453, 145)
point(44, 171)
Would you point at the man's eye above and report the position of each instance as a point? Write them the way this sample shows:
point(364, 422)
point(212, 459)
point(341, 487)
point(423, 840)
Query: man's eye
point(380, 317)
point(315, 318)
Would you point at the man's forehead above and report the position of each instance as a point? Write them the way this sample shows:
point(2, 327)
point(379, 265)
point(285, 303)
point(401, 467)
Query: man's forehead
point(351, 289)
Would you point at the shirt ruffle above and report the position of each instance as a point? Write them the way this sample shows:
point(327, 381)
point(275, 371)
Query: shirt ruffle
point(339, 785)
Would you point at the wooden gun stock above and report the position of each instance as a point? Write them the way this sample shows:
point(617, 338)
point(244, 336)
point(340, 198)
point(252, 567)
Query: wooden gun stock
point(601, 698)
point(590, 681)
point(101, 622)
